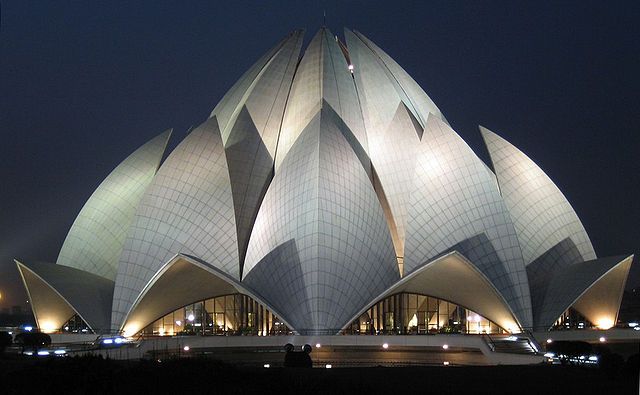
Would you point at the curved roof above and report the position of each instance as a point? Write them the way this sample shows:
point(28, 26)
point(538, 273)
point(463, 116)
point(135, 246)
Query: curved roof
point(320, 248)
point(58, 292)
point(454, 198)
point(95, 241)
point(541, 213)
point(187, 209)
point(594, 288)
point(454, 278)
point(263, 89)
point(182, 280)
point(50, 309)
point(408, 89)
point(323, 75)
point(318, 183)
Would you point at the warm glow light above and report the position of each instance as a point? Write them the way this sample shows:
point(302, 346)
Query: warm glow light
point(130, 330)
point(48, 327)
point(605, 323)
point(385, 346)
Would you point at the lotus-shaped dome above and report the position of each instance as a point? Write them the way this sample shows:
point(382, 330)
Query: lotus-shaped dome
point(320, 185)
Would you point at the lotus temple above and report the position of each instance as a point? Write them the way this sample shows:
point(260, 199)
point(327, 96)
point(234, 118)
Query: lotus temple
point(325, 195)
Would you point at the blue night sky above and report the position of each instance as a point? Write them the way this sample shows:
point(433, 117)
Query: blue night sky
point(84, 83)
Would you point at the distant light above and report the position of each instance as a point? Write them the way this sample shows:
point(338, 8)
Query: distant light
point(107, 341)
point(59, 352)
point(66, 328)
point(385, 346)
point(28, 353)
point(350, 68)
point(445, 346)
point(191, 317)
point(266, 365)
point(602, 339)
point(43, 353)
point(10, 332)
point(118, 340)
point(318, 345)
point(637, 328)
point(327, 366)
point(178, 322)
point(28, 328)
point(605, 323)
point(445, 363)
point(549, 355)
point(549, 341)
point(593, 358)
point(633, 324)
point(512, 338)
point(186, 348)
point(456, 322)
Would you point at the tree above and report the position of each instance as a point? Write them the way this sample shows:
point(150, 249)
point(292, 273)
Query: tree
point(5, 341)
point(33, 340)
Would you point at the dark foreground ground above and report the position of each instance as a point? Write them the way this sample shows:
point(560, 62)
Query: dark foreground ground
point(92, 375)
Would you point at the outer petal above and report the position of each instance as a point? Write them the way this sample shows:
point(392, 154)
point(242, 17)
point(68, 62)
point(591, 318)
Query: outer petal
point(455, 201)
point(541, 213)
point(96, 238)
point(188, 209)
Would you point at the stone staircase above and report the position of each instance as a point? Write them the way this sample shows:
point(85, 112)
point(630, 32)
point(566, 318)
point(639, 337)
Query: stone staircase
point(515, 344)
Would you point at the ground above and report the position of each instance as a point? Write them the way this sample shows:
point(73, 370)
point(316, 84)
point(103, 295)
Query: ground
point(98, 376)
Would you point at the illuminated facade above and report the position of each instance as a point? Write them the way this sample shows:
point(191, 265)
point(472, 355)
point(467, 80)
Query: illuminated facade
point(326, 193)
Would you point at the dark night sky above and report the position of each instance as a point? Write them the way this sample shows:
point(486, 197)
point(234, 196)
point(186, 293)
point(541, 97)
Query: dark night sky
point(83, 84)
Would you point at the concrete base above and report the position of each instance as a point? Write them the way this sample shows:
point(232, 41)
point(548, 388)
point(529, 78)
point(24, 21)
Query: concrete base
point(334, 350)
